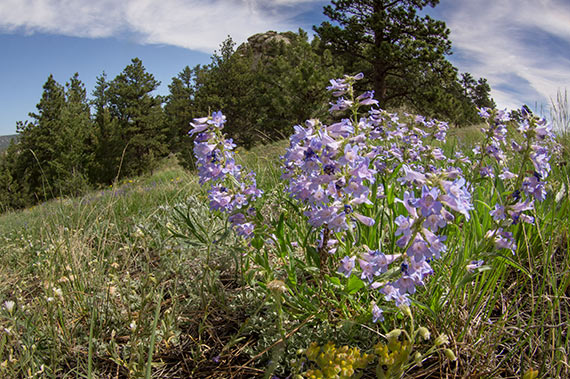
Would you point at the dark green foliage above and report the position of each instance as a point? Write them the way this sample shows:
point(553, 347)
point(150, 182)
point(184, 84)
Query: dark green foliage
point(228, 83)
point(403, 55)
point(139, 119)
point(12, 193)
point(62, 151)
point(54, 150)
point(179, 107)
point(388, 41)
point(179, 112)
point(292, 85)
point(36, 143)
point(449, 97)
point(129, 124)
point(108, 143)
point(264, 88)
point(477, 91)
point(74, 142)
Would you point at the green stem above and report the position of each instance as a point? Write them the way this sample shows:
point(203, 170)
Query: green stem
point(153, 335)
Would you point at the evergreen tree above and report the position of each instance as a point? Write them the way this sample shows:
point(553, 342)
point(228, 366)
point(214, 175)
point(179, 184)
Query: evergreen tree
point(107, 138)
point(403, 56)
point(293, 80)
point(468, 82)
point(54, 150)
point(266, 89)
point(37, 149)
point(13, 195)
point(74, 141)
point(229, 84)
point(179, 112)
point(455, 98)
point(387, 40)
point(481, 95)
point(139, 118)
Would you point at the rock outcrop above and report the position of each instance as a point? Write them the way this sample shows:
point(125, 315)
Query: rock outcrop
point(264, 44)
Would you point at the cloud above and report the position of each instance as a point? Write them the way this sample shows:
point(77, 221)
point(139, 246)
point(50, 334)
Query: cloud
point(193, 24)
point(73, 18)
point(520, 46)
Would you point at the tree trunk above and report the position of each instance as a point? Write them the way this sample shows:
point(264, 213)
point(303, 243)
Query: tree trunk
point(378, 64)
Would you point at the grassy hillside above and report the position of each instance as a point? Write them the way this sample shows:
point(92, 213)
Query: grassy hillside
point(142, 280)
point(85, 276)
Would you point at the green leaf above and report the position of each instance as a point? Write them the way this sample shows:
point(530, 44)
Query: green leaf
point(354, 284)
point(257, 242)
point(333, 280)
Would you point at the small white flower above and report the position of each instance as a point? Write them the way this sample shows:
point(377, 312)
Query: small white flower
point(9, 305)
point(138, 233)
point(133, 325)
point(561, 193)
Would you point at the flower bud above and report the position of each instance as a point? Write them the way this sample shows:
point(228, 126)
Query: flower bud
point(406, 310)
point(394, 334)
point(442, 340)
point(424, 333)
point(277, 286)
point(450, 354)
point(418, 358)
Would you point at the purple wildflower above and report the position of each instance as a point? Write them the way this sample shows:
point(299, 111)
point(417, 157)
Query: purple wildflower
point(473, 265)
point(376, 313)
point(230, 190)
point(346, 266)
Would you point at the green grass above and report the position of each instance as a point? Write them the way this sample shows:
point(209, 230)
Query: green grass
point(102, 288)
point(84, 275)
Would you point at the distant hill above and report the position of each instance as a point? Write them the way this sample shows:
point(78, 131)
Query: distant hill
point(5, 141)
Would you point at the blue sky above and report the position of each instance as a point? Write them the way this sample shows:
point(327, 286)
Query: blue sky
point(521, 46)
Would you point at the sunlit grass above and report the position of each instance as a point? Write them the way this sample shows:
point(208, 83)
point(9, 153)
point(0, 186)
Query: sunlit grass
point(89, 286)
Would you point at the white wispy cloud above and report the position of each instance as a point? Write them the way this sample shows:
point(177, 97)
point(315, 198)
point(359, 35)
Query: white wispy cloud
point(515, 44)
point(99, 18)
point(193, 24)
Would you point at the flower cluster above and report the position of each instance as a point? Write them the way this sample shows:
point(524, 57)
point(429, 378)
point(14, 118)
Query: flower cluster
point(419, 232)
point(532, 147)
point(231, 191)
point(336, 362)
point(336, 170)
point(372, 167)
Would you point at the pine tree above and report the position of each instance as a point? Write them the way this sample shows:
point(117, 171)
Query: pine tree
point(179, 112)
point(107, 139)
point(388, 41)
point(55, 149)
point(179, 108)
point(481, 95)
point(13, 195)
point(139, 118)
point(293, 79)
point(266, 87)
point(229, 84)
point(36, 145)
point(74, 141)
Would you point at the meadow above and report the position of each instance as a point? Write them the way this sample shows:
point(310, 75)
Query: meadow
point(410, 272)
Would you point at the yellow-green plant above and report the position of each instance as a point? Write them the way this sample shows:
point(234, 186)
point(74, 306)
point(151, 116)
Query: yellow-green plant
point(400, 352)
